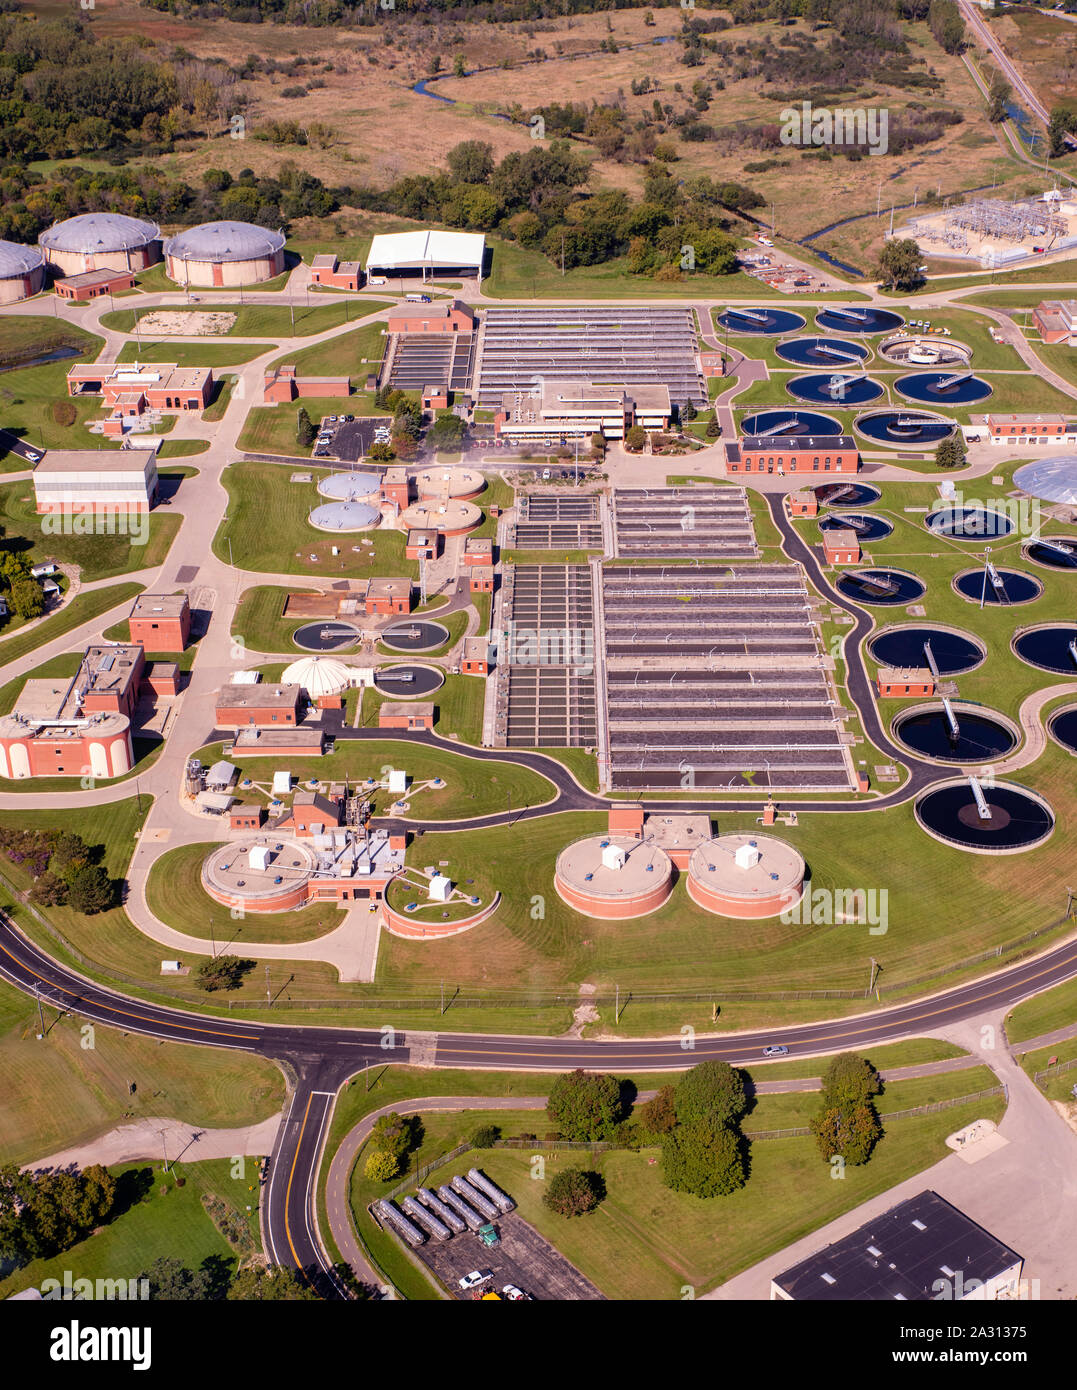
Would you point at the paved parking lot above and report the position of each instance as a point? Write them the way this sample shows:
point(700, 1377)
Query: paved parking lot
point(351, 442)
point(523, 1258)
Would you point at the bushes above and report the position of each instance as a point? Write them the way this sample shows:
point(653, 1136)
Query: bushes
point(64, 412)
point(65, 869)
point(572, 1192)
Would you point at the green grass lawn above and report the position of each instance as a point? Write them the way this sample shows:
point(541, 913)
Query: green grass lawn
point(268, 527)
point(260, 320)
point(204, 354)
point(27, 338)
point(219, 404)
point(270, 429)
point(353, 354)
point(162, 1219)
point(258, 623)
point(27, 395)
point(458, 707)
point(1054, 1008)
point(99, 556)
point(88, 1087)
point(182, 448)
point(83, 608)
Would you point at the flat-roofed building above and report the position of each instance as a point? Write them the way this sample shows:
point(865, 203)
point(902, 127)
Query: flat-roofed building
point(92, 284)
point(421, 545)
point(1028, 428)
point(96, 480)
point(286, 740)
point(395, 487)
point(803, 504)
point(1056, 320)
point(475, 660)
point(774, 453)
point(447, 316)
point(386, 595)
point(922, 1249)
point(904, 680)
point(160, 622)
point(557, 411)
point(163, 385)
point(284, 384)
point(841, 546)
point(333, 274)
point(478, 550)
point(406, 714)
point(264, 704)
point(108, 679)
point(426, 254)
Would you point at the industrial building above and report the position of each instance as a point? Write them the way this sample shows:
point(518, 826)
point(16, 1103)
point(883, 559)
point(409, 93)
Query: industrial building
point(93, 284)
point(160, 622)
point(447, 316)
point(759, 453)
point(283, 384)
point(922, 1249)
point(894, 681)
point(448, 518)
point(338, 865)
point(1022, 429)
point(101, 241)
point(1056, 320)
point(22, 272)
point(138, 386)
point(406, 714)
point(841, 546)
point(97, 481)
point(460, 484)
point(558, 411)
point(265, 703)
point(426, 255)
point(327, 271)
point(322, 677)
point(224, 254)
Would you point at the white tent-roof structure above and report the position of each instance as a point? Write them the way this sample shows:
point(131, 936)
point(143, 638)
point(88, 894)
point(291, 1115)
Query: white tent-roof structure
point(1051, 480)
point(318, 675)
point(427, 251)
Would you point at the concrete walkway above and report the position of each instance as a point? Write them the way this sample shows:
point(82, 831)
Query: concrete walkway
point(156, 1138)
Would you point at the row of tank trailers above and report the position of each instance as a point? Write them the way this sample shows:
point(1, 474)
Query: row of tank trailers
point(469, 1203)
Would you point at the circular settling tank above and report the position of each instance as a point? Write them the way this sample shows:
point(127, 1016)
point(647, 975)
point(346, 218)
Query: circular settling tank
point(757, 320)
point(1006, 587)
point(1018, 819)
point(1052, 647)
point(415, 637)
point(349, 487)
point(344, 516)
point(745, 876)
point(452, 517)
point(1063, 728)
point(835, 353)
point(971, 523)
point(903, 647)
point(408, 682)
point(980, 735)
point(955, 387)
point(613, 876)
point(330, 636)
point(261, 875)
point(881, 587)
point(834, 388)
point(851, 318)
point(1056, 552)
point(897, 428)
point(847, 494)
point(866, 528)
point(457, 483)
point(785, 423)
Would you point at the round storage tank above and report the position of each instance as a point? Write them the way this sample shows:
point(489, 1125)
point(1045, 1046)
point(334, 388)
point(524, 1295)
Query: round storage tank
point(224, 254)
point(449, 518)
point(101, 241)
point(22, 271)
point(457, 483)
point(349, 487)
point(344, 516)
point(613, 877)
point(745, 876)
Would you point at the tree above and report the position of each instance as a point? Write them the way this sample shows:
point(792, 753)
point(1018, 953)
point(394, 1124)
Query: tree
point(635, 438)
point(950, 452)
point(69, 854)
point(26, 598)
point(486, 1136)
point(277, 1284)
point(44, 1213)
point(447, 432)
point(598, 442)
point(703, 1159)
point(223, 972)
point(659, 1115)
point(171, 1281)
point(459, 66)
point(90, 889)
point(850, 1080)
point(572, 1192)
point(64, 412)
point(997, 97)
point(713, 430)
point(945, 22)
point(899, 263)
point(851, 1131)
point(304, 428)
point(471, 161)
point(688, 412)
point(584, 1105)
point(1061, 124)
point(711, 1093)
point(381, 1166)
point(381, 452)
point(396, 1134)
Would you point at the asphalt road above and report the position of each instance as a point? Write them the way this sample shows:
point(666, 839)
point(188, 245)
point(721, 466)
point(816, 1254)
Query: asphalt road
point(322, 1059)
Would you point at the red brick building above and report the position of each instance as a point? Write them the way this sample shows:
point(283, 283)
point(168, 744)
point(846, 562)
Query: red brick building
point(337, 275)
point(449, 316)
point(264, 704)
point(475, 660)
point(91, 284)
point(284, 384)
point(834, 453)
point(314, 814)
point(435, 398)
point(803, 504)
point(160, 622)
point(388, 596)
point(478, 550)
point(1028, 428)
point(406, 714)
point(421, 545)
point(626, 820)
point(841, 546)
point(394, 487)
point(908, 680)
point(138, 386)
point(1056, 320)
point(162, 678)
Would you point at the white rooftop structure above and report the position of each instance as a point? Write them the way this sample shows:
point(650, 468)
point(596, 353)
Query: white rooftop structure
point(614, 856)
point(1051, 480)
point(440, 888)
point(318, 675)
point(246, 677)
point(282, 783)
point(260, 857)
point(91, 232)
point(747, 856)
point(427, 251)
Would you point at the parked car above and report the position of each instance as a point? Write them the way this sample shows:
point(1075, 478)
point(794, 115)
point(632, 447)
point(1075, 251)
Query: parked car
point(475, 1278)
point(545, 475)
point(32, 456)
point(775, 1050)
point(514, 1294)
point(349, 419)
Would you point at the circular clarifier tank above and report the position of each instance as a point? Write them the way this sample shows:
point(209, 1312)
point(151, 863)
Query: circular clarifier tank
point(786, 423)
point(415, 637)
point(904, 428)
point(1063, 728)
point(955, 387)
point(330, 636)
point(975, 736)
point(885, 587)
point(1050, 647)
point(349, 487)
point(851, 318)
point(968, 523)
point(837, 354)
point(903, 647)
point(745, 876)
point(1018, 819)
point(344, 516)
point(847, 494)
point(1054, 552)
point(408, 682)
point(1005, 587)
point(834, 388)
point(866, 528)
point(758, 320)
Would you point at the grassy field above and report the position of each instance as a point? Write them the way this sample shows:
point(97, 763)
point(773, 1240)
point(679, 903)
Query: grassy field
point(268, 527)
point(353, 354)
point(259, 320)
point(258, 623)
point(87, 1087)
point(458, 707)
point(27, 338)
point(83, 608)
point(202, 354)
point(159, 1218)
point(1054, 1008)
point(99, 556)
point(216, 408)
point(182, 448)
point(27, 395)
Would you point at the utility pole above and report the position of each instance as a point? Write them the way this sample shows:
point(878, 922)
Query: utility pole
point(617, 1005)
point(41, 1016)
point(212, 939)
point(562, 253)
point(443, 997)
point(871, 976)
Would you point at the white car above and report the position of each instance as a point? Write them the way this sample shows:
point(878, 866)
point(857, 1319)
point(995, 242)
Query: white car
point(513, 1294)
point(475, 1278)
point(34, 458)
